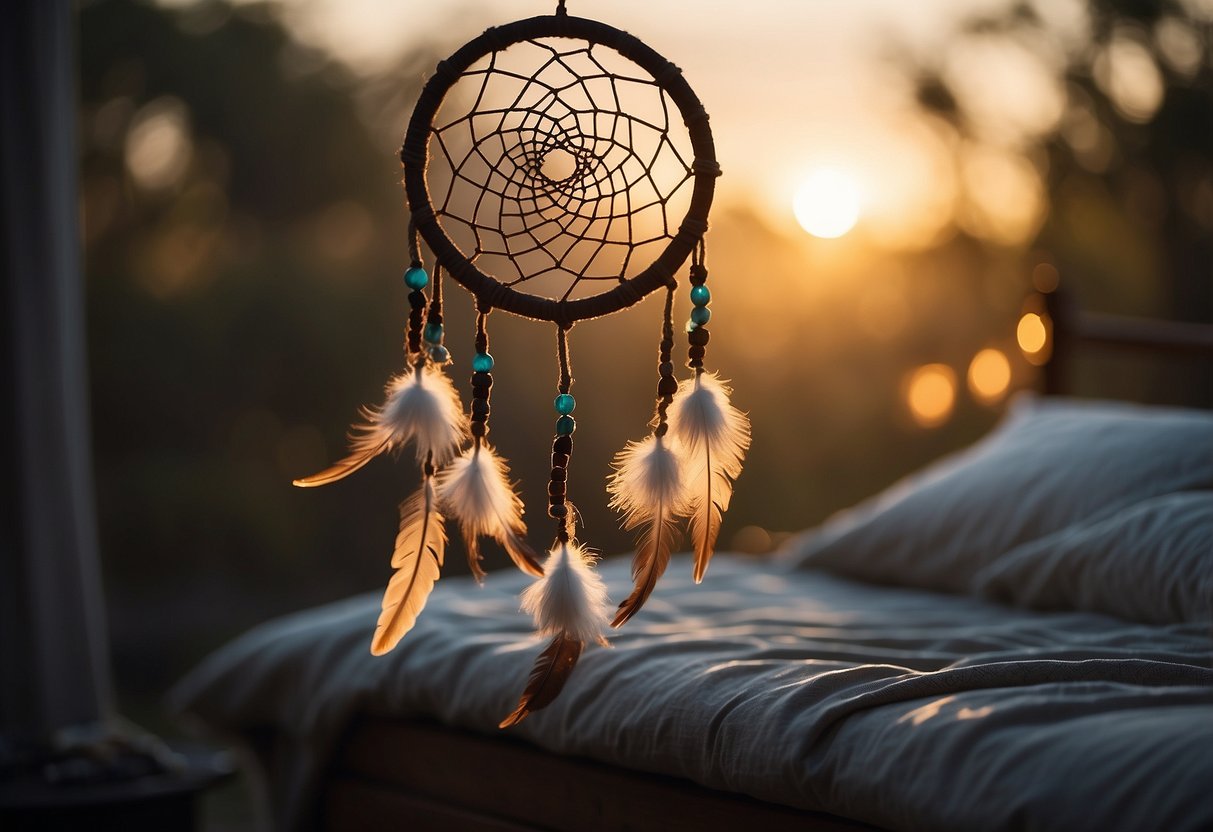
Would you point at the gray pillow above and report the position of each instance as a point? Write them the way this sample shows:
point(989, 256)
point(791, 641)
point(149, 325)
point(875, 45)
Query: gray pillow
point(1151, 562)
point(1049, 464)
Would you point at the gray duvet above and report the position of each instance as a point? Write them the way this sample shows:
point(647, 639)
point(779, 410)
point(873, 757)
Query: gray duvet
point(903, 708)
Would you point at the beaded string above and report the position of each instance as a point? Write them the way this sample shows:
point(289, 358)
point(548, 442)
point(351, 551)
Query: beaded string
point(433, 333)
point(667, 385)
point(482, 377)
point(416, 279)
point(562, 444)
point(697, 330)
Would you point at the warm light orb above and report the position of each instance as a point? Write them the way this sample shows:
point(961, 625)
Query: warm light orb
point(989, 376)
point(1032, 333)
point(931, 394)
point(827, 204)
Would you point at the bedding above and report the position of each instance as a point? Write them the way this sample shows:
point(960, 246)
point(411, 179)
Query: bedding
point(1150, 562)
point(904, 708)
point(1051, 464)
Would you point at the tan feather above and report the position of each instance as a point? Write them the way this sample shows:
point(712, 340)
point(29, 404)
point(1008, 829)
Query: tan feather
point(653, 550)
point(420, 548)
point(548, 677)
point(713, 437)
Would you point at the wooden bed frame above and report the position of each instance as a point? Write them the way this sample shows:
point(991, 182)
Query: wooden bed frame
point(451, 779)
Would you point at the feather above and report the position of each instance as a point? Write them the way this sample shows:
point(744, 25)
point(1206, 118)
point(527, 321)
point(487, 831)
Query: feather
point(648, 488)
point(713, 437)
point(421, 406)
point(570, 598)
point(420, 547)
point(552, 669)
point(475, 490)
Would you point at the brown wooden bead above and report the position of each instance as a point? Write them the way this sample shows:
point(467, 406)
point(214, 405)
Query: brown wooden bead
point(417, 298)
point(559, 475)
point(699, 275)
point(562, 445)
point(480, 407)
point(668, 386)
point(560, 460)
point(699, 336)
point(558, 511)
point(479, 429)
point(484, 380)
point(696, 352)
point(666, 368)
point(557, 489)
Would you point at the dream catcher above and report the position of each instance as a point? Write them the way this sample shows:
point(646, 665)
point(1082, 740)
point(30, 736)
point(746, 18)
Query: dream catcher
point(560, 170)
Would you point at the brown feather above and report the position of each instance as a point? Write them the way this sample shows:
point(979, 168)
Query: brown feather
point(711, 492)
point(360, 456)
point(472, 544)
point(552, 669)
point(521, 553)
point(652, 557)
point(420, 547)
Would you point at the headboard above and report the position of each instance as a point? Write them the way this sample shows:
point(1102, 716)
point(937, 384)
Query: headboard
point(1072, 330)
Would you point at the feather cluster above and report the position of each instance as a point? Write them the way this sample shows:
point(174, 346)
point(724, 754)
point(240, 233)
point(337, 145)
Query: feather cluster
point(689, 473)
point(475, 490)
point(420, 548)
point(421, 407)
point(568, 603)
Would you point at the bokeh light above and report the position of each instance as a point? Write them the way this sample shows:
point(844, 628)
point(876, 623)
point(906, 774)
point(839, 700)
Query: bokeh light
point(989, 375)
point(1032, 333)
point(931, 394)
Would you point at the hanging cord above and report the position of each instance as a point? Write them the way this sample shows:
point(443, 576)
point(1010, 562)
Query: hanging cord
point(416, 279)
point(697, 330)
point(482, 378)
point(562, 445)
point(560, 9)
point(667, 385)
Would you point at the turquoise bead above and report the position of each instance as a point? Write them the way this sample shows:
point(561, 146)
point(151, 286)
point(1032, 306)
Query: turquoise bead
point(565, 404)
point(700, 315)
point(439, 354)
point(482, 362)
point(433, 333)
point(565, 425)
point(700, 296)
point(416, 278)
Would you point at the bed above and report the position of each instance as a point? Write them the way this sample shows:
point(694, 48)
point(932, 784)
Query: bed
point(1019, 636)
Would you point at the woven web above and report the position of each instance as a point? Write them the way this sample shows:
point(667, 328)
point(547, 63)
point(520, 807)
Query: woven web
point(556, 164)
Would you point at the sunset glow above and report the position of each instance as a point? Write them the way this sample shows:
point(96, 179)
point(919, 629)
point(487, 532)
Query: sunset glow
point(827, 204)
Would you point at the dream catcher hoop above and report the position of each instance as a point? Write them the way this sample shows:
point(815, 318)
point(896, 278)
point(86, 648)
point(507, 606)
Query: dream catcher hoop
point(561, 170)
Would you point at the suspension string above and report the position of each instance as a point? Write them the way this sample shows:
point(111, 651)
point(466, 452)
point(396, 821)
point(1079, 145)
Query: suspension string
point(560, 9)
point(697, 329)
point(667, 385)
point(562, 444)
point(562, 350)
point(482, 379)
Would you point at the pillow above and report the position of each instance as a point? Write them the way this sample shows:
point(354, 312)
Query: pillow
point(1050, 463)
point(1151, 562)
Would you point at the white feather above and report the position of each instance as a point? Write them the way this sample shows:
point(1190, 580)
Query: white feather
point(713, 438)
point(421, 406)
point(648, 475)
point(702, 419)
point(570, 598)
point(475, 490)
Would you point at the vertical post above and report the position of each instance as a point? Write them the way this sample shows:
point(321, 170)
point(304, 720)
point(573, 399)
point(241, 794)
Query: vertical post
point(54, 663)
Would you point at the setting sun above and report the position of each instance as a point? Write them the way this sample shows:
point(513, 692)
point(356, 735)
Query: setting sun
point(827, 204)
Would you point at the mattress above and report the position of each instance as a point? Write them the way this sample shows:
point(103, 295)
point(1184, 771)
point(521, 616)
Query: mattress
point(904, 708)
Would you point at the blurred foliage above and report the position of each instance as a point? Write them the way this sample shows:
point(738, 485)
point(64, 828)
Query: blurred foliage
point(244, 231)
